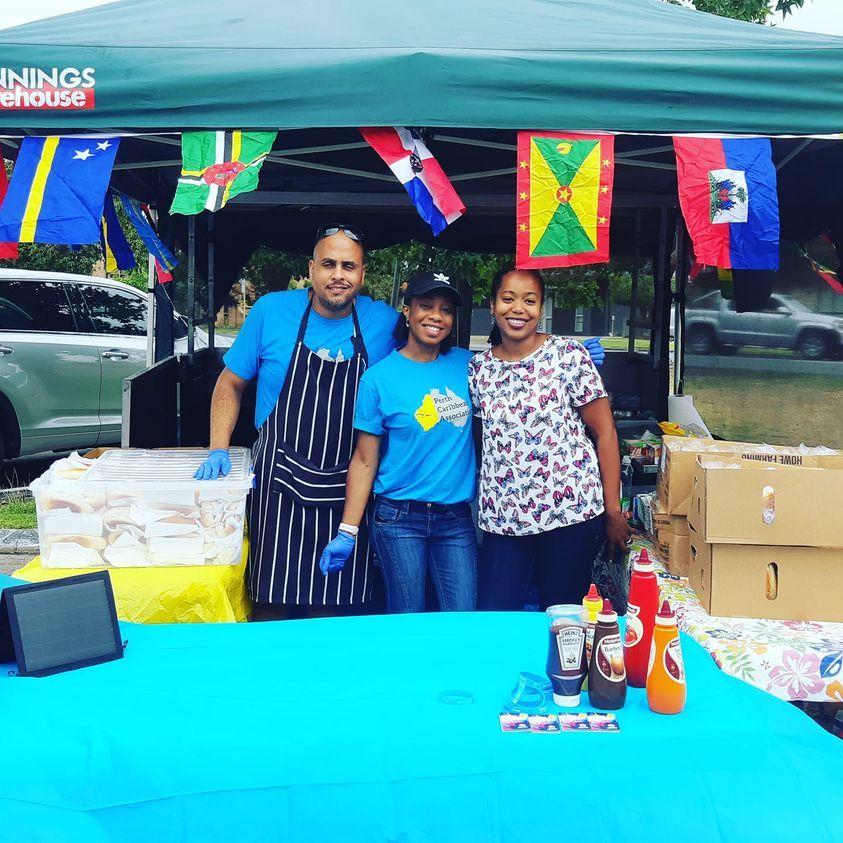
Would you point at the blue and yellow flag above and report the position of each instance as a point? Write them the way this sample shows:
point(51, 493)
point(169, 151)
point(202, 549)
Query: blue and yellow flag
point(146, 232)
point(115, 247)
point(57, 190)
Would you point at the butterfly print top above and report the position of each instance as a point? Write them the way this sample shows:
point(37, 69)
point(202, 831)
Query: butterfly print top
point(539, 468)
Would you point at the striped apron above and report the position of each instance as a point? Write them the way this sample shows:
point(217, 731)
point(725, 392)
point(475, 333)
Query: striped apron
point(301, 462)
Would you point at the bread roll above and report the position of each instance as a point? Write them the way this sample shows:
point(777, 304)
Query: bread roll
point(64, 500)
point(95, 542)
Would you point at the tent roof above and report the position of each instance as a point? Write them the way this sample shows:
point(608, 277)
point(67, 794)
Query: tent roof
point(552, 64)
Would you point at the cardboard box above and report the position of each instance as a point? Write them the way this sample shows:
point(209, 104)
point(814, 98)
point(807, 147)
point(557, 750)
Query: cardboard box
point(679, 457)
point(741, 502)
point(779, 583)
point(675, 552)
point(663, 520)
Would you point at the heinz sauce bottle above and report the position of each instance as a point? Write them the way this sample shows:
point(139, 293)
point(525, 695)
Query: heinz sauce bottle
point(666, 689)
point(606, 674)
point(641, 611)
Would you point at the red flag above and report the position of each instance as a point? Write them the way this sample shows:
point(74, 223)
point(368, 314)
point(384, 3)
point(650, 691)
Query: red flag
point(8, 251)
point(164, 277)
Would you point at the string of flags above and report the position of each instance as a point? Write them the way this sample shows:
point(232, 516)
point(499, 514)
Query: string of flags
point(59, 193)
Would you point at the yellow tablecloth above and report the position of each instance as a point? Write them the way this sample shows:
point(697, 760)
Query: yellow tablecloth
point(189, 594)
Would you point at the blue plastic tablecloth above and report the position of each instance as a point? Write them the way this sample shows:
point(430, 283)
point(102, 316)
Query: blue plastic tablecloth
point(331, 730)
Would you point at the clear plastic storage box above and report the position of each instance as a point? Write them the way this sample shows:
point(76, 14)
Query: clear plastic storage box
point(139, 508)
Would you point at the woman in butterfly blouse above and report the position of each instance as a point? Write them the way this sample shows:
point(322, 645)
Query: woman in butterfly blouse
point(548, 495)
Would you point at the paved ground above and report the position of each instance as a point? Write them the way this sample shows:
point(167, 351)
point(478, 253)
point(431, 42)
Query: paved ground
point(17, 547)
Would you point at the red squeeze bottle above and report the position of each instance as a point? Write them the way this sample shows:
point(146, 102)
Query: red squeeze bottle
point(641, 611)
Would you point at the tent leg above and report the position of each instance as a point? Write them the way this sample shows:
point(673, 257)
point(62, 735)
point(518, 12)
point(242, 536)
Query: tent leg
point(212, 311)
point(191, 282)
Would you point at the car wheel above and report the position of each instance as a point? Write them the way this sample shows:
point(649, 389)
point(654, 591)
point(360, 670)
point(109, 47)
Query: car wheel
point(813, 345)
point(701, 341)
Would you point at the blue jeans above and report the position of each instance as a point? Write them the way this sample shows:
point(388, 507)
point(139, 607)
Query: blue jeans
point(408, 538)
point(562, 559)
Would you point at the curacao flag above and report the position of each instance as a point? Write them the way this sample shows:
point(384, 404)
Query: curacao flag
point(727, 191)
point(405, 153)
point(564, 203)
point(57, 190)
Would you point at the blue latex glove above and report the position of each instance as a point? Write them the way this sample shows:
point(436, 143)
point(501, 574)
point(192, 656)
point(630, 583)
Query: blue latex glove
point(217, 464)
point(595, 348)
point(336, 553)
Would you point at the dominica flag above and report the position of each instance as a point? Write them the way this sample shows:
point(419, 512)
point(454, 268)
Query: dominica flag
point(217, 166)
point(564, 198)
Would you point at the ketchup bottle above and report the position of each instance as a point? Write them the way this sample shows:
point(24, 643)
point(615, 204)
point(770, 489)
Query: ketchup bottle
point(641, 611)
point(606, 675)
point(666, 690)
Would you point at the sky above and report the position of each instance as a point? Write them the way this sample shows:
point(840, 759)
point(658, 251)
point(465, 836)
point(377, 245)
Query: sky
point(817, 16)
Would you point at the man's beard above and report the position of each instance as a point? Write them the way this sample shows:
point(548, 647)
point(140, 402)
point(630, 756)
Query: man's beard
point(336, 304)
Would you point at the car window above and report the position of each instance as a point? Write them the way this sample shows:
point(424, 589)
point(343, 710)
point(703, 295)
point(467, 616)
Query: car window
point(40, 306)
point(115, 311)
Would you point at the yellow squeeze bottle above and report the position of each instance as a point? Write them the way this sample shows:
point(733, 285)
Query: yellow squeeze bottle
point(592, 603)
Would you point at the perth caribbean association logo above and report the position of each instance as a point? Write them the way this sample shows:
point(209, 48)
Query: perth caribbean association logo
point(40, 88)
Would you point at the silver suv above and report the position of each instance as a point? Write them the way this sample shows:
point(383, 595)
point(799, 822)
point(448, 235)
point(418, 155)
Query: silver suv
point(66, 344)
point(713, 325)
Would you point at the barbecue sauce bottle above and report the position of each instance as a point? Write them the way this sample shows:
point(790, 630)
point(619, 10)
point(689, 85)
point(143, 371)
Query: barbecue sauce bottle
point(607, 674)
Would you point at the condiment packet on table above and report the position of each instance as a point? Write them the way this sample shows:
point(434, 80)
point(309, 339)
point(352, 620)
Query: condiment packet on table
point(543, 723)
point(589, 721)
point(514, 722)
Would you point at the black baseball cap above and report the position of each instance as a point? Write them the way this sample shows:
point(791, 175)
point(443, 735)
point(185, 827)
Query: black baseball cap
point(425, 283)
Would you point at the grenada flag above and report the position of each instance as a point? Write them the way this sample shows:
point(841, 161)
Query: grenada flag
point(564, 199)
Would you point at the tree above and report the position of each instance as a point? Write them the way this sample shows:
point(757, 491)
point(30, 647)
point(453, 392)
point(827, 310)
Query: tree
point(45, 257)
point(754, 11)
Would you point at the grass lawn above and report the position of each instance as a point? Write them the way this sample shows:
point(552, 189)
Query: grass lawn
point(18, 515)
point(774, 407)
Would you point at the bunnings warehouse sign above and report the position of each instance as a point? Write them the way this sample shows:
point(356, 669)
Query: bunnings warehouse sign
point(42, 88)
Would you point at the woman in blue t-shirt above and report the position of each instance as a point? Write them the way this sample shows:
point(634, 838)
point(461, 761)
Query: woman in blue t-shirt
point(414, 447)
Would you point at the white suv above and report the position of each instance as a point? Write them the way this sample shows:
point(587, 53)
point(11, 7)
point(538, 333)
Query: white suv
point(66, 344)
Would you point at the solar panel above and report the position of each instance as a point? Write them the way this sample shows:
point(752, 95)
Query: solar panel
point(62, 624)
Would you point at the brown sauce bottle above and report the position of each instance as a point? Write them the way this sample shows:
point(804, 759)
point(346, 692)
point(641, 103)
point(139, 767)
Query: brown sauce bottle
point(606, 673)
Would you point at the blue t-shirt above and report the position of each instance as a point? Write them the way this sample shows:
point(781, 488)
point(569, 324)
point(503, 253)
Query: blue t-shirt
point(422, 411)
point(265, 344)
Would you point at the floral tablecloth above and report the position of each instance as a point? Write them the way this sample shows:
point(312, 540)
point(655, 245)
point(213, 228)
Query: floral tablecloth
point(794, 660)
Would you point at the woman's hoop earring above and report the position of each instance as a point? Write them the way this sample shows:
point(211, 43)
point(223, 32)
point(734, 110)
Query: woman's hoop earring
point(407, 322)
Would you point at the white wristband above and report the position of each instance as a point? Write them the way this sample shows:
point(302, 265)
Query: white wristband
point(349, 528)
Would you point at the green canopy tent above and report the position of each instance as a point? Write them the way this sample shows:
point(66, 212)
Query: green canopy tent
point(469, 73)
point(637, 66)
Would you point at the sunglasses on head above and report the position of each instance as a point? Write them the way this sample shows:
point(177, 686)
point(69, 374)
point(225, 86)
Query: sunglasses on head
point(348, 230)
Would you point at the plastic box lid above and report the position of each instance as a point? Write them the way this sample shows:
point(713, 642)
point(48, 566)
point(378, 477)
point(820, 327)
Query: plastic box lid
point(161, 467)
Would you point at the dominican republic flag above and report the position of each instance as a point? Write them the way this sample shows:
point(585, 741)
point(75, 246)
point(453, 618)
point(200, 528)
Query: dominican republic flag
point(406, 155)
point(727, 190)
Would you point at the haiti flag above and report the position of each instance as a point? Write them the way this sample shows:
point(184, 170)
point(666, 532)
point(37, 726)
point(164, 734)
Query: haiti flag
point(564, 199)
point(727, 190)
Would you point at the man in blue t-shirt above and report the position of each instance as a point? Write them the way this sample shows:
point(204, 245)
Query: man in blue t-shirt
point(308, 350)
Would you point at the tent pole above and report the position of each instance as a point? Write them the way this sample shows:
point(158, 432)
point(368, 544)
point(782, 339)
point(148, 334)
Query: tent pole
point(191, 282)
point(150, 310)
point(211, 309)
